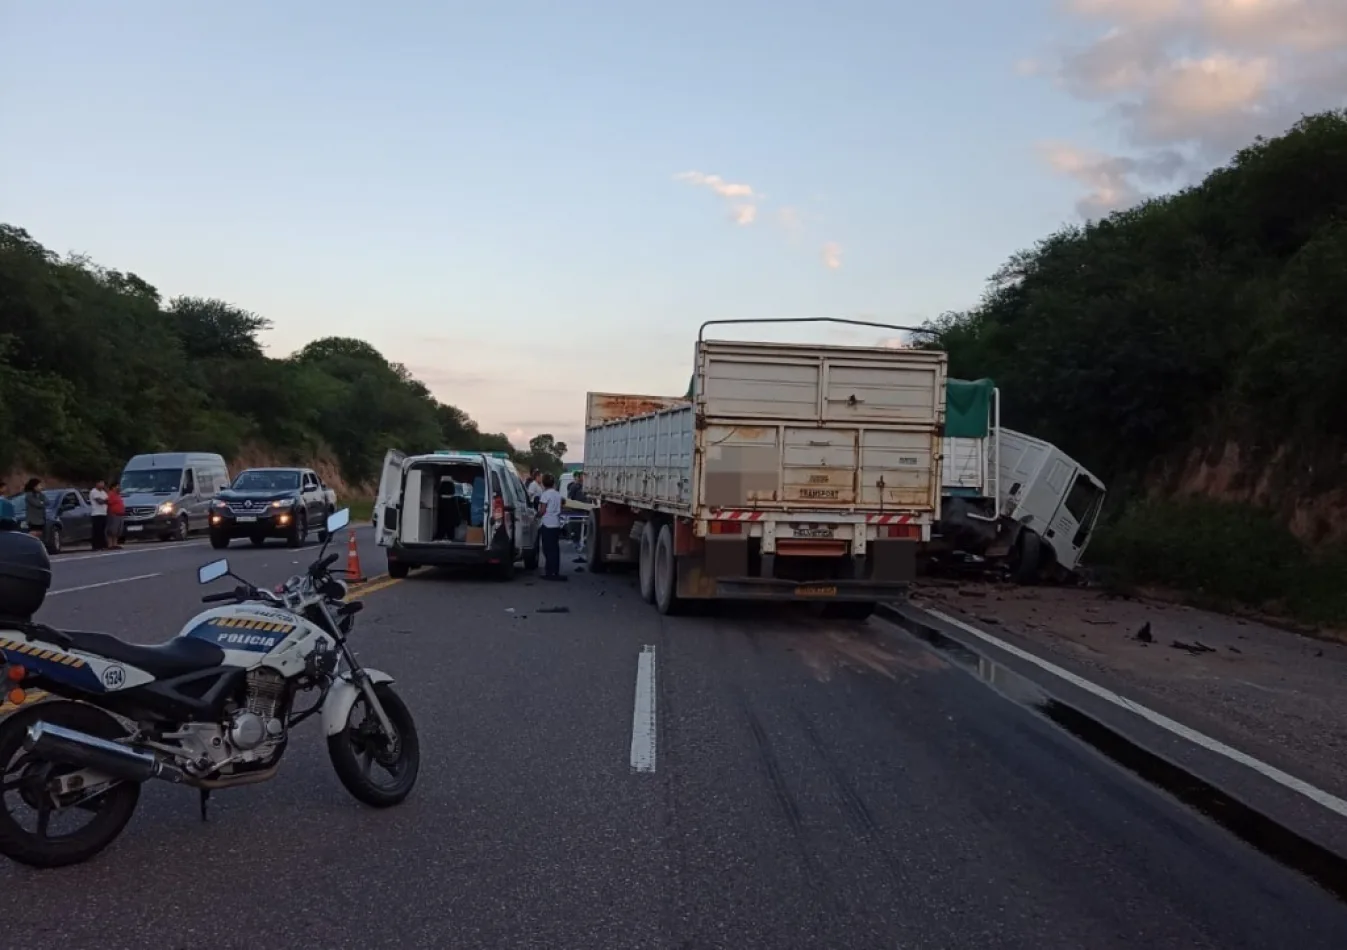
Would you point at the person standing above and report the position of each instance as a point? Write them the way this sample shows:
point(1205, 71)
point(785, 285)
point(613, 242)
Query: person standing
point(534, 486)
point(9, 520)
point(549, 507)
point(98, 508)
point(116, 512)
point(35, 508)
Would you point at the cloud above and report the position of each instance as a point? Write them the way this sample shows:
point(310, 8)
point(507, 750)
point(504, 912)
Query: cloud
point(744, 203)
point(742, 198)
point(789, 219)
point(1187, 82)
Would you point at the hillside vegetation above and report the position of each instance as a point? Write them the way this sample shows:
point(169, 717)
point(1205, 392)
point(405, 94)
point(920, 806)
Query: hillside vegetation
point(1192, 351)
point(95, 367)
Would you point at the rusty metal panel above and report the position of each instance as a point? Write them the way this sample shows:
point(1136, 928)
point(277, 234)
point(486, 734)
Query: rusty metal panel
point(609, 407)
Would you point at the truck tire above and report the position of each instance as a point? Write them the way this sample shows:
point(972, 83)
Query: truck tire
point(1026, 558)
point(666, 574)
point(593, 547)
point(646, 562)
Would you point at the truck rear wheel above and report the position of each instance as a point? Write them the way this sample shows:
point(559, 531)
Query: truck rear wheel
point(666, 574)
point(594, 545)
point(646, 562)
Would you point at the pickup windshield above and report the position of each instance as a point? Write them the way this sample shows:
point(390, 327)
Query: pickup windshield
point(266, 481)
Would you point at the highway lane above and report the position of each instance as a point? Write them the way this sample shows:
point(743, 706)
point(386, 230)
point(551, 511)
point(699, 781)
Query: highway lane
point(815, 785)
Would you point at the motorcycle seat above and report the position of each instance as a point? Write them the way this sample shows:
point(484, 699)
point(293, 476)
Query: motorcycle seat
point(177, 657)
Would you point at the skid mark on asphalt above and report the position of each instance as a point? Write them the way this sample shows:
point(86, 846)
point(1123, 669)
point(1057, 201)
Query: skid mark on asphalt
point(853, 806)
point(825, 650)
point(790, 808)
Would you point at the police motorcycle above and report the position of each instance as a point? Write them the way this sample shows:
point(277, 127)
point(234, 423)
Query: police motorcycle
point(213, 708)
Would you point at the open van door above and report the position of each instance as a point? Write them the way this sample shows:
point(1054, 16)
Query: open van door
point(387, 506)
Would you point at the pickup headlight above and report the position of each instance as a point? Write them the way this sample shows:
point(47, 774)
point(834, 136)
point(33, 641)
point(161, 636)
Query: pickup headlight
point(283, 503)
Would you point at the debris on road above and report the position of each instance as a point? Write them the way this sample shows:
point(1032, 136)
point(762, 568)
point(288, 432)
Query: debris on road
point(1277, 695)
point(554, 610)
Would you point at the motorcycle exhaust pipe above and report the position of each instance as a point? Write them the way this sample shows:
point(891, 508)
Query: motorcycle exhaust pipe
point(68, 747)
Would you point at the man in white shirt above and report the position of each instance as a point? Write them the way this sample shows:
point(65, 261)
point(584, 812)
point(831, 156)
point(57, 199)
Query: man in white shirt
point(549, 507)
point(534, 486)
point(98, 507)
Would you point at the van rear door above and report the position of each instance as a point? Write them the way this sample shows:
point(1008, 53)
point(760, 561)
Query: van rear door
point(390, 497)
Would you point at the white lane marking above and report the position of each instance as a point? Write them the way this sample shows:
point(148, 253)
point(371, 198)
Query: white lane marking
point(643, 715)
point(1285, 779)
point(164, 546)
point(120, 580)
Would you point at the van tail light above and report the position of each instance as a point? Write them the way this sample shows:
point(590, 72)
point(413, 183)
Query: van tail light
point(497, 509)
point(727, 527)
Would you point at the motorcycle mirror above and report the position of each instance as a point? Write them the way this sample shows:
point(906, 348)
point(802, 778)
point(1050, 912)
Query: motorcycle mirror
point(212, 571)
point(338, 520)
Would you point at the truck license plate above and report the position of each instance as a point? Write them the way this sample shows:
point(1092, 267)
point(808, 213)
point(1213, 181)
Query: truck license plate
point(247, 518)
point(815, 591)
point(813, 531)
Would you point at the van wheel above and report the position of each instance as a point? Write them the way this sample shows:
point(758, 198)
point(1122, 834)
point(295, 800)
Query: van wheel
point(593, 551)
point(666, 574)
point(1026, 557)
point(646, 562)
point(180, 529)
point(398, 569)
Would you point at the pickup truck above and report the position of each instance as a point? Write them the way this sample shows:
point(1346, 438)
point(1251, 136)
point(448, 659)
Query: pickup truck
point(271, 503)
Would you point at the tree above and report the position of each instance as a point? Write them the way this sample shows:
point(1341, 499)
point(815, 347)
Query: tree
point(94, 369)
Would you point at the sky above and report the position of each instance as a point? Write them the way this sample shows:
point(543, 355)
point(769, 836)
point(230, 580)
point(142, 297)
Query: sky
point(526, 201)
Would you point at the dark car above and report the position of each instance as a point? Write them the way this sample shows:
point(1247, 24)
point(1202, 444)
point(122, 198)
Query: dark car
point(69, 517)
point(270, 503)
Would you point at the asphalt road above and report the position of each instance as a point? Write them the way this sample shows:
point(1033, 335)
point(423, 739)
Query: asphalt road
point(815, 784)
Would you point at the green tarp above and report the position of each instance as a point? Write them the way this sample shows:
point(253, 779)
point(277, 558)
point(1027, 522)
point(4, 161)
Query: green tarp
point(968, 408)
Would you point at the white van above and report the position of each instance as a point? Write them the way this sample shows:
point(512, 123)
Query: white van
point(454, 508)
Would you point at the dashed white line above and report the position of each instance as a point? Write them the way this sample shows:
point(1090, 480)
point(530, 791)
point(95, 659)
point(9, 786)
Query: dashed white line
point(643, 715)
point(120, 580)
point(1317, 795)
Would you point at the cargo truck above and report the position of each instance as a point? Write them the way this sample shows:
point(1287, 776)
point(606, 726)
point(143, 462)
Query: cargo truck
point(788, 472)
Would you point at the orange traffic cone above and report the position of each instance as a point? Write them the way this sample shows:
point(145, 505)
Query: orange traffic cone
point(353, 573)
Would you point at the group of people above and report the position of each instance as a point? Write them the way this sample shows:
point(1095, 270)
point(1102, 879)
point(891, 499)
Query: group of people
point(107, 510)
point(543, 494)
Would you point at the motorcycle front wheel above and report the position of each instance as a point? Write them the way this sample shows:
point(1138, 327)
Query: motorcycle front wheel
point(375, 769)
point(38, 828)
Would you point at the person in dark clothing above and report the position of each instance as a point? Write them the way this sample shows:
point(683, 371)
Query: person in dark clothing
point(35, 508)
point(576, 490)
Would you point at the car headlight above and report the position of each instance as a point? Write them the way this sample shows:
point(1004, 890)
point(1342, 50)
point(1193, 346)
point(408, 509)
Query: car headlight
point(166, 508)
point(283, 503)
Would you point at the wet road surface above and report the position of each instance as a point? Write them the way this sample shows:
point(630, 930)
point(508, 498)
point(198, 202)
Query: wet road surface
point(814, 784)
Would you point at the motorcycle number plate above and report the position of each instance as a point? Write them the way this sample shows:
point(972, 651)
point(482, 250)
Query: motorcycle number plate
point(247, 517)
